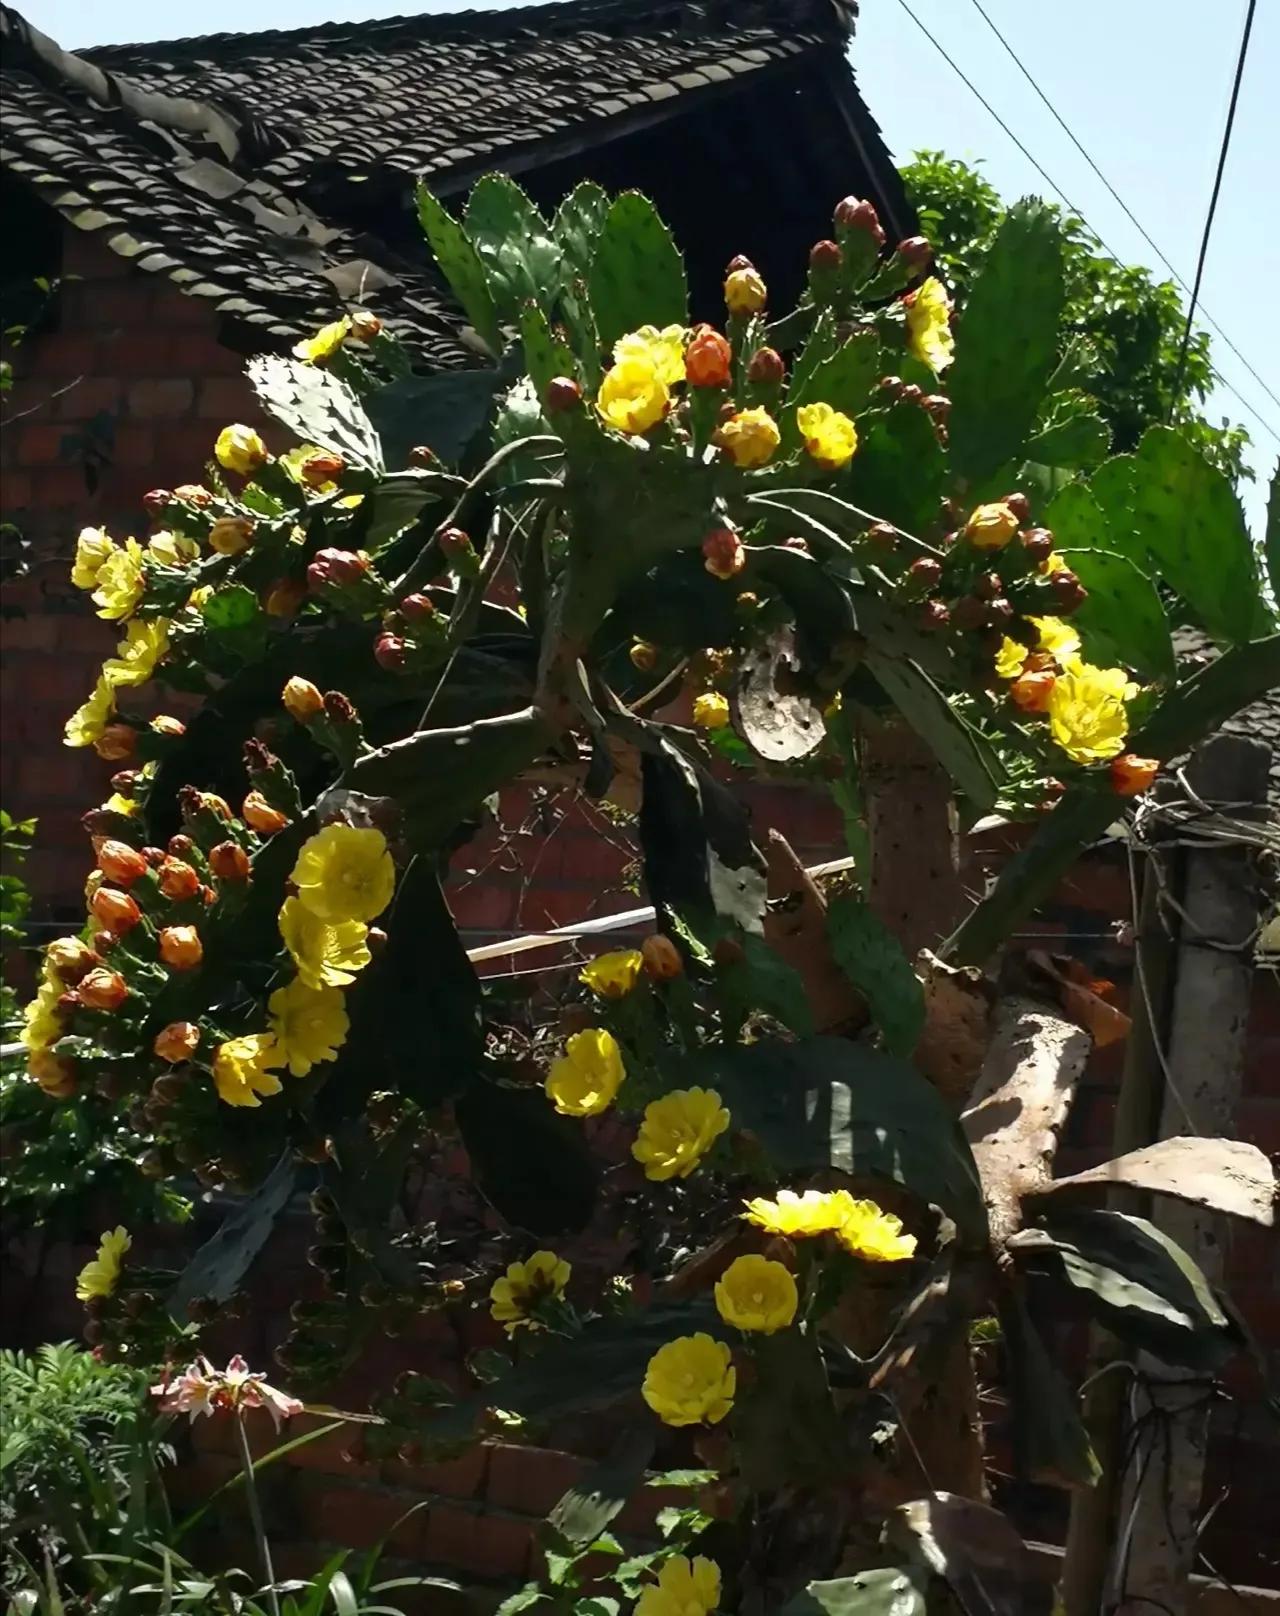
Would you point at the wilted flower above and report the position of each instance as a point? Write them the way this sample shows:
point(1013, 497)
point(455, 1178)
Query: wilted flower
point(103, 989)
point(121, 863)
point(708, 360)
point(745, 291)
point(117, 912)
point(230, 535)
point(181, 948)
point(177, 1042)
point(723, 553)
point(991, 527)
point(661, 958)
point(302, 699)
point(259, 813)
point(93, 547)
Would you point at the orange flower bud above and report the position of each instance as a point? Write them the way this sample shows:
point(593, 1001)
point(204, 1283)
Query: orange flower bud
point(117, 742)
point(103, 989)
point(163, 724)
point(284, 598)
point(1131, 775)
point(115, 911)
point(364, 326)
point(121, 863)
point(229, 862)
point(181, 948)
point(230, 535)
point(178, 881)
point(68, 958)
point(661, 958)
point(722, 553)
point(259, 813)
point(55, 1074)
point(320, 468)
point(177, 1042)
point(1031, 691)
point(708, 359)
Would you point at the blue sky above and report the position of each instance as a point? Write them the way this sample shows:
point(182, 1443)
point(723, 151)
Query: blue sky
point(1143, 83)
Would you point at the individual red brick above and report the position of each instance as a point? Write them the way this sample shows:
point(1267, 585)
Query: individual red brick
point(330, 1454)
point(36, 631)
point(100, 305)
point(175, 308)
point(50, 777)
point(226, 398)
point(482, 907)
point(40, 444)
point(56, 490)
point(15, 490)
point(197, 352)
point(488, 1545)
point(149, 353)
point(463, 1477)
point(530, 1480)
point(63, 354)
point(89, 258)
point(87, 397)
point(360, 1517)
point(161, 400)
point(133, 445)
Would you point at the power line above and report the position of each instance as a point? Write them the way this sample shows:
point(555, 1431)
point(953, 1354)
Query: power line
point(1117, 198)
point(1054, 186)
point(1217, 187)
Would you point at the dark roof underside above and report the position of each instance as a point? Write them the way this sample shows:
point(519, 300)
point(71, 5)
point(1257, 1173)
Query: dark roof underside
point(237, 164)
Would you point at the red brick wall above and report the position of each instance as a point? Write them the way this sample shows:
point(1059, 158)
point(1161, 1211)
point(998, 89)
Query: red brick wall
point(132, 356)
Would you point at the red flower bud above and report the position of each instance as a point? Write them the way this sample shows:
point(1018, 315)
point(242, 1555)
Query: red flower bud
point(853, 213)
point(735, 264)
point(103, 942)
point(722, 553)
point(1068, 591)
point(883, 535)
point(117, 742)
point(154, 856)
point(1019, 504)
point(661, 958)
point(890, 384)
point(938, 405)
point(999, 611)
point(708, 359)
point(1030, 692)
point(925, 572)
point(1131, 775)
point(338, 709)
point(563, 394)
point(454, 542)
point(181, 847)
point(339, 568)
point(988, 585)
point(934, 614)
point(423, 455)
point(364, 326)
point(114, 910)
point(321, 467)
point(909, 393)
point(796, 543)
point(155, 500)
point(69, 958)
point(103, 989)
point(417, 608)
point(229, 862)
point(766, 368)
point(916, 251)
point(969, 612)
point(390, 652)
point(121, 863)
point(1036, 541)
point(825, 256)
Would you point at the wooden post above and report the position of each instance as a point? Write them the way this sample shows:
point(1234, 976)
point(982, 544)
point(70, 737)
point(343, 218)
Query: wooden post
point(1156, 1534)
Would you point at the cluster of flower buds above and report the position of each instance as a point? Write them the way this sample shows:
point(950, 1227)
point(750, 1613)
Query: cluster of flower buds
point(937, 406)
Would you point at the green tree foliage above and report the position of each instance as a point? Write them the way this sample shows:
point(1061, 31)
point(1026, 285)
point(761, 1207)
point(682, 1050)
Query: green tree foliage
point(1122, 327)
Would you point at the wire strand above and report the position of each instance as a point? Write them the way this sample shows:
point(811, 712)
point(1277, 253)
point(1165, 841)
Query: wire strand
point(1117, 198)
point(1054, 186)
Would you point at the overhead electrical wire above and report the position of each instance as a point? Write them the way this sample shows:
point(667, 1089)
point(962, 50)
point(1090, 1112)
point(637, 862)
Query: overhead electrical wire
point(1054, 186)
point(1116, 197)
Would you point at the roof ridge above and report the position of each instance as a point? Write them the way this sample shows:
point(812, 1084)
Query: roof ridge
point(547, 16)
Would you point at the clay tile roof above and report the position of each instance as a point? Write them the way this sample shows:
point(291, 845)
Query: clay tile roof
point(211, 160)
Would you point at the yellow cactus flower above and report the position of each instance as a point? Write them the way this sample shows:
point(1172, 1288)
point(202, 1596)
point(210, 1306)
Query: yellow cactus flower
point(929, 325)
point(173, 549)
point(101, 1276)
point(145, 643)
point(93, 547)
point(798, 1217)
point(614, 975)
point(750, 438)
point(991, 527)
point(120, 581)
point(242, 1069)
point(41, 1025)
point(685, 1587)
point(117, 803)
point(345, 872)
point(319, 349)
point(711, 710)
point(755, 1293)
point(867, 1232)
point(633, 397)
point(239, 448)
point(516, 1296)
point(309, 1024)
point(664, 350)
point(326, 956)
point(691, 1380)
point(87, 723)
point(677, 1132)
point(1087, 714)
point(585, 1080)
point(745, 291)
point(829, 437)
point(1010, 658)
point(1060, 639)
